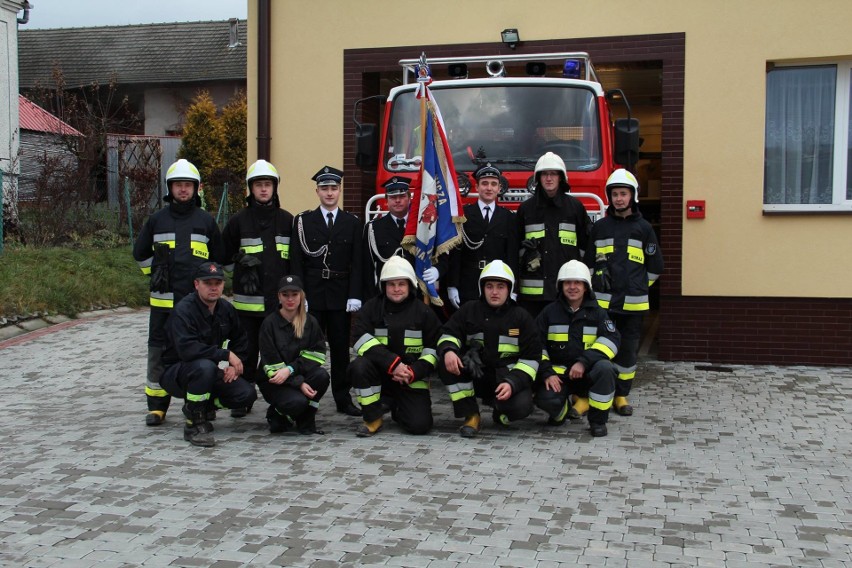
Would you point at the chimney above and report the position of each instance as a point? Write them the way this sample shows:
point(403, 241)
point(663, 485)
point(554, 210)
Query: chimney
point(233, 32)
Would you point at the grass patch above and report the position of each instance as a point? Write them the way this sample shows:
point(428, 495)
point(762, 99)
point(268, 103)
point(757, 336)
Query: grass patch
point(69, 280)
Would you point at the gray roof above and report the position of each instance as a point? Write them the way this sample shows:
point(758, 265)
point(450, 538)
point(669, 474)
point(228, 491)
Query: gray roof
point(184, 52)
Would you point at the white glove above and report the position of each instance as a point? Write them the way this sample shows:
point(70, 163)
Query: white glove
point(514, 297)
point(453, 295)
point(353, 305)
point(430, 275)
point(306, 305)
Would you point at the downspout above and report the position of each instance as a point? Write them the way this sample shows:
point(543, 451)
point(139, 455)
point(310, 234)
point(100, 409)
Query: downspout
point(263, 88)
point(26, 17)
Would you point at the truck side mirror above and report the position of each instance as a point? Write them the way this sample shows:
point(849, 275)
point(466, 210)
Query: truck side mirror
point(626, 141)
point(366, 145)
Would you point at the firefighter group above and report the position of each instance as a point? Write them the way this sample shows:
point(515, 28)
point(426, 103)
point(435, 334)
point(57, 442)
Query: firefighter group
point(546, 307)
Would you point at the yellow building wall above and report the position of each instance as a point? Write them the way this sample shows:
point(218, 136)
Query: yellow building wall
point(736, 250)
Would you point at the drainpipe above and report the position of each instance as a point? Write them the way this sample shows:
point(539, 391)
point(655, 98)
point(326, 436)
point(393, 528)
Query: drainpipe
point(26, 17)
point(263, 88)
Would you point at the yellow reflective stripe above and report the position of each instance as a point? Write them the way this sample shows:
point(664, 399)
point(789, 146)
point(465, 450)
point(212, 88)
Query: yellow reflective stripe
point(545, 356)
point(253, 249)
point(606, 249)
point(197, 397)
point(430, 358)
point(199, 249)
point(636, 304)
point(567, 234)
point(158, 393)
point(365, 343)
point(462, 394)
point(313, 356)
point(535, 231)
point(626, 373)
point(562, 337)
point(270, 370)
point(162, 300)
point(413, 341)
point(600, 405)
point(526, 368)
point(248, 303)
point(636, 254)
point(284, 250)
point(449, 339)
point(588, 340)
point(598, 346)
point(532, 287)
point(603, 299)
point(365, 400)
point(560, 369)
point(145, 265)
point(420, 385)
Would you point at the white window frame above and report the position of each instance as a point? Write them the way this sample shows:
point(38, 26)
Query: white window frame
point(842, 103)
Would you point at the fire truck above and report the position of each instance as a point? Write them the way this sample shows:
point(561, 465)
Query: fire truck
point(555, 104)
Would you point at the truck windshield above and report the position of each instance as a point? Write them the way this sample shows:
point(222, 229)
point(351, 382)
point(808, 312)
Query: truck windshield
point(508, 125)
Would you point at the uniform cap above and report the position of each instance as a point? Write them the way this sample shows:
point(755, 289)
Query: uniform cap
point(328, 176)
point(210, 271)
point(397, 185)
point(290, 283)
point(487, 171)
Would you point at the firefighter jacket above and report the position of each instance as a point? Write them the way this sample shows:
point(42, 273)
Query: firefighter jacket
point(279, 348)
point(191, 236)
point(558, 227)
point(388, 333)
point(328, 262)
point(194, 333)
point(625, 260)
point(587, 335)
point(482, 243)
point(382, 240)
point(507, 335)
point(258, 233)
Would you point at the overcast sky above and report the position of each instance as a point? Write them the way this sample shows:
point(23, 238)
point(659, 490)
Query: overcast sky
point(85, 13)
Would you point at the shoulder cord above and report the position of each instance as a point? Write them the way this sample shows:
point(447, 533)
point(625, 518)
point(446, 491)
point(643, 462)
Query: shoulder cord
point(374, 248)
point(320, 251)
point(471, 244)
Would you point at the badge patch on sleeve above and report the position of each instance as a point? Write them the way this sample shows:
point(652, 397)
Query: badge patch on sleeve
point(514, 332)
point(651, 249)
point(610, 326)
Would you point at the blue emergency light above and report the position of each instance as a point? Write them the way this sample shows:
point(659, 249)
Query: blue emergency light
point(571, 69)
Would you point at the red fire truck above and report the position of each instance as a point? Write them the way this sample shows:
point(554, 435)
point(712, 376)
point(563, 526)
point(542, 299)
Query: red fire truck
point(554, 104)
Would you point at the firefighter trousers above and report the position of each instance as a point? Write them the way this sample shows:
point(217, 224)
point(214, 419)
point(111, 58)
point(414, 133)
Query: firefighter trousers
point(202, 380)
point(598, 385)
point(156, 397)
point(630, 327)
point(292, 402)
point(411, 405)
point(464, 390)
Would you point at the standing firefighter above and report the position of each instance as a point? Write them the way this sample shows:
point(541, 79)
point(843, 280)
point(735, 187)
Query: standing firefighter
point(394, 339)
point(553, 227)
point(490, 349)
point(626, 260)
point(257, 242)
point(383, 236)
point(172, 244)
point(327, 257)
point(579, 340)
point(490, 233)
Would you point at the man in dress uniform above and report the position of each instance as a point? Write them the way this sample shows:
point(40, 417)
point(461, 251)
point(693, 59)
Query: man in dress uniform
point(326, 254)
point(383, 235)
point(490, 233)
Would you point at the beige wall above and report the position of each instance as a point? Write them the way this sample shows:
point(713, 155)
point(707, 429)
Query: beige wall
point(736, 250)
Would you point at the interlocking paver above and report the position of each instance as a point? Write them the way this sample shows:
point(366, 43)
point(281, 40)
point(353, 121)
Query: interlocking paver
point(745, 468)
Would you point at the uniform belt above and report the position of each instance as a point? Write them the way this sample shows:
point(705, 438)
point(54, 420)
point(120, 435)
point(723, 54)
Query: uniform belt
point(327, 274)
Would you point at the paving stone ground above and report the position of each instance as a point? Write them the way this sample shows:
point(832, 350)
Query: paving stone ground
point(749, 467)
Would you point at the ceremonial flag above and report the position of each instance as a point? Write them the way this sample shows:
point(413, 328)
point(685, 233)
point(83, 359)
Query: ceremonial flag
point(435, 226)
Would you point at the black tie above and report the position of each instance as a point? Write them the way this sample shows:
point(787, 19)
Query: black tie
point(330, 220)
point(400, 223)
point(487, 214)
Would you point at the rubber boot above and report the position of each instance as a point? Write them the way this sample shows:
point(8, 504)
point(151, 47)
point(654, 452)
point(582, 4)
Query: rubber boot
point(580, 408)
point(559, 419)
point(197, 431)
point(471, 426)
point(622, 406)
point(368, 429)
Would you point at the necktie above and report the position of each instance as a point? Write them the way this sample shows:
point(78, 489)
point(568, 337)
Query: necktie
point(330, 217)
point(400, 223)
point(487, 214)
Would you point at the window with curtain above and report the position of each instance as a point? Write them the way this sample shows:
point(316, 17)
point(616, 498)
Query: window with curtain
point(808, 130)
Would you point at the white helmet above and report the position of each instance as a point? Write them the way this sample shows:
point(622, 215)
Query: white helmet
point(497, 270)
point(397, 268)
point(183, 170)
point(259, 170)
point(550, 162)
point(573, 270)
point(622, 178)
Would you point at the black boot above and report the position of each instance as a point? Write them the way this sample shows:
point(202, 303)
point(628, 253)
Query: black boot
point(344, 404)
point(307, 423)
point(197, 431)
point(278, 423)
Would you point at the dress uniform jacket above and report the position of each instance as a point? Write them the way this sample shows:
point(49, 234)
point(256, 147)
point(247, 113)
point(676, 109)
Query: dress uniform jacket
point(279, 348)
point(560, 225)
point(192, 237)
point(262, 231)
point(333, 275)
point(499, 241)
point(626, 248)
point(509, 336)
point(382, 239)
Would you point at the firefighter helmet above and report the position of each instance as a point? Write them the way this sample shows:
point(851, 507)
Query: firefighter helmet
point(574, 270)
point(262, 169)
point(550, 162)
point(496, 270)
point(622, 178)
point(397, 268)
point(183, 170)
